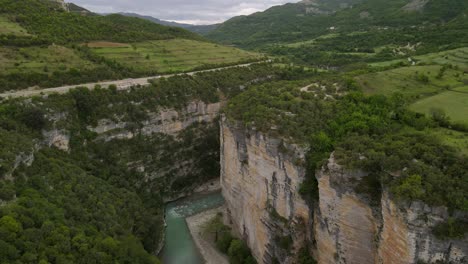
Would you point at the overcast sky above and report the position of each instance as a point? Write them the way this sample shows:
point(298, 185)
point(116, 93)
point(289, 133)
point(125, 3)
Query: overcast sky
point(184, 11)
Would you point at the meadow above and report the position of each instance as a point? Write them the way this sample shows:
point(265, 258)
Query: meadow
point(457, 57)
point(417, 81)
point(453, 103)
point(40, 60)
point(175, 55)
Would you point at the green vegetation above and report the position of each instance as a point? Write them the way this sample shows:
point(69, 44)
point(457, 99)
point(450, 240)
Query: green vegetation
point(47, 21)
point(94, 204)
point(8, 27)
point(436, 90)
point(45, 60)
point(453, 104)
point(237, 250)
point(295, 23)
point(452, 229)
point(305, 257)
point(414, 81)
point(456, 57)
point(358, 126)
point(176, 55)
point(454, 139)
point(54, 51)
point(62, 214)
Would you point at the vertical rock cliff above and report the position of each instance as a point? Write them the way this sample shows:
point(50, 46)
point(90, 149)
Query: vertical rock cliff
point(261, 177)
point(260, 184)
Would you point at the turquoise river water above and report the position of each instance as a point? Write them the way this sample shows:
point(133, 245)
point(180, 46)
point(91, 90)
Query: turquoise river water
point(179, 247)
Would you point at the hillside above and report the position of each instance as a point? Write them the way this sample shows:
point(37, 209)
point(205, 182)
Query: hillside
point(46, 45)
point(200, 29)
point(308, 20)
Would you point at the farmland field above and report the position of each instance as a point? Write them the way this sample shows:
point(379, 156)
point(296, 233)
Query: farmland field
point(456, 57)
point(454, 104)
point(409, 80)
point(40, 60)
point(174, 55)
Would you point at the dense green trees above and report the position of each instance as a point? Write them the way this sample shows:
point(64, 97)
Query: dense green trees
point(65, 215)
point(295, 23)
point(93, 204)
point(376, 134)
point(236, 249)
point(49, 22)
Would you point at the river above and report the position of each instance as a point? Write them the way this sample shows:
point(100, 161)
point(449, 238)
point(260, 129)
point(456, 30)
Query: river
point(179, 247)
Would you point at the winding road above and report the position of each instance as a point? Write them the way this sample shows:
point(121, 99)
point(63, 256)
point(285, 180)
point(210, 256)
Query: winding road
point(121, 84)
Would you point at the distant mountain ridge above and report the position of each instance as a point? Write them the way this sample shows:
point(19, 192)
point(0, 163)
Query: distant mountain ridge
point(200, 29)
point(309, 19)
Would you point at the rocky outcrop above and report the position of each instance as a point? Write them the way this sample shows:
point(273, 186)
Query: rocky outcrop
point(344, 223)
point(57, 138)
point(260, 179)
point(351, 229)
point(260, 185)
point(415, 5)
point(166, 121)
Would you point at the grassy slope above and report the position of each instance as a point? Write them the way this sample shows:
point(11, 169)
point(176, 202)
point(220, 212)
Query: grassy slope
point(405, 80)
point(454, 104)
point(9, 27)
point(40, 41)
point(431, 95)
point(293, 23)
point(41, 59)
point(457, 57)
point(173, 55)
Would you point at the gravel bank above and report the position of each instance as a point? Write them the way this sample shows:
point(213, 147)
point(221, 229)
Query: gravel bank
point(207, 249)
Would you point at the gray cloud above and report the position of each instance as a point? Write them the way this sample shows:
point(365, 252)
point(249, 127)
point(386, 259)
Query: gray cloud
point(185, 11)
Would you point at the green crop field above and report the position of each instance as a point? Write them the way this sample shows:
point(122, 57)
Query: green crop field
point(40, 60)
point(454, 103)
point(408, 80)
point(173, 55)
point(456, 57)
point(8, 27)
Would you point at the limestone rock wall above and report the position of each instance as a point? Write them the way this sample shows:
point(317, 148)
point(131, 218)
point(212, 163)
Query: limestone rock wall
point(344, 223)
point(166, 121)
point(260, 185)
point(349, 229)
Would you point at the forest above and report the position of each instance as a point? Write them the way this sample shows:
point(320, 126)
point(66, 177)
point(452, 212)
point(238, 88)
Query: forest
point(89, 203)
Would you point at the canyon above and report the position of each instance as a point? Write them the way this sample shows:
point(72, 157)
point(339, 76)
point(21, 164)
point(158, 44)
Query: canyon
point(261, 176)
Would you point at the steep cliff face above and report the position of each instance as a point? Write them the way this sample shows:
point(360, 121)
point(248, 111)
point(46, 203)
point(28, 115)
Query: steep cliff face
point(344, 223)
point(261, 183)
point(350, 229)
point(165, 121)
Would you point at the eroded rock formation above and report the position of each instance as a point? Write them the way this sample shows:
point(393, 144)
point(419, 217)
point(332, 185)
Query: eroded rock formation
point(261, 177)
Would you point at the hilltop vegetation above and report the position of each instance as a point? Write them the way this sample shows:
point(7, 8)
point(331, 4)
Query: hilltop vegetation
point(380, 129)
point(304, 21)
point(165, 56)
point(52, 24)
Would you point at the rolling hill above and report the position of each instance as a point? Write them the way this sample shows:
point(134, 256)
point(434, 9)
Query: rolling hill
point(200, 29)
point(47, 44)
point(308, 20)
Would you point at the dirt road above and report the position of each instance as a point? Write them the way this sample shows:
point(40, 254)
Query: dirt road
point(121, 84)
